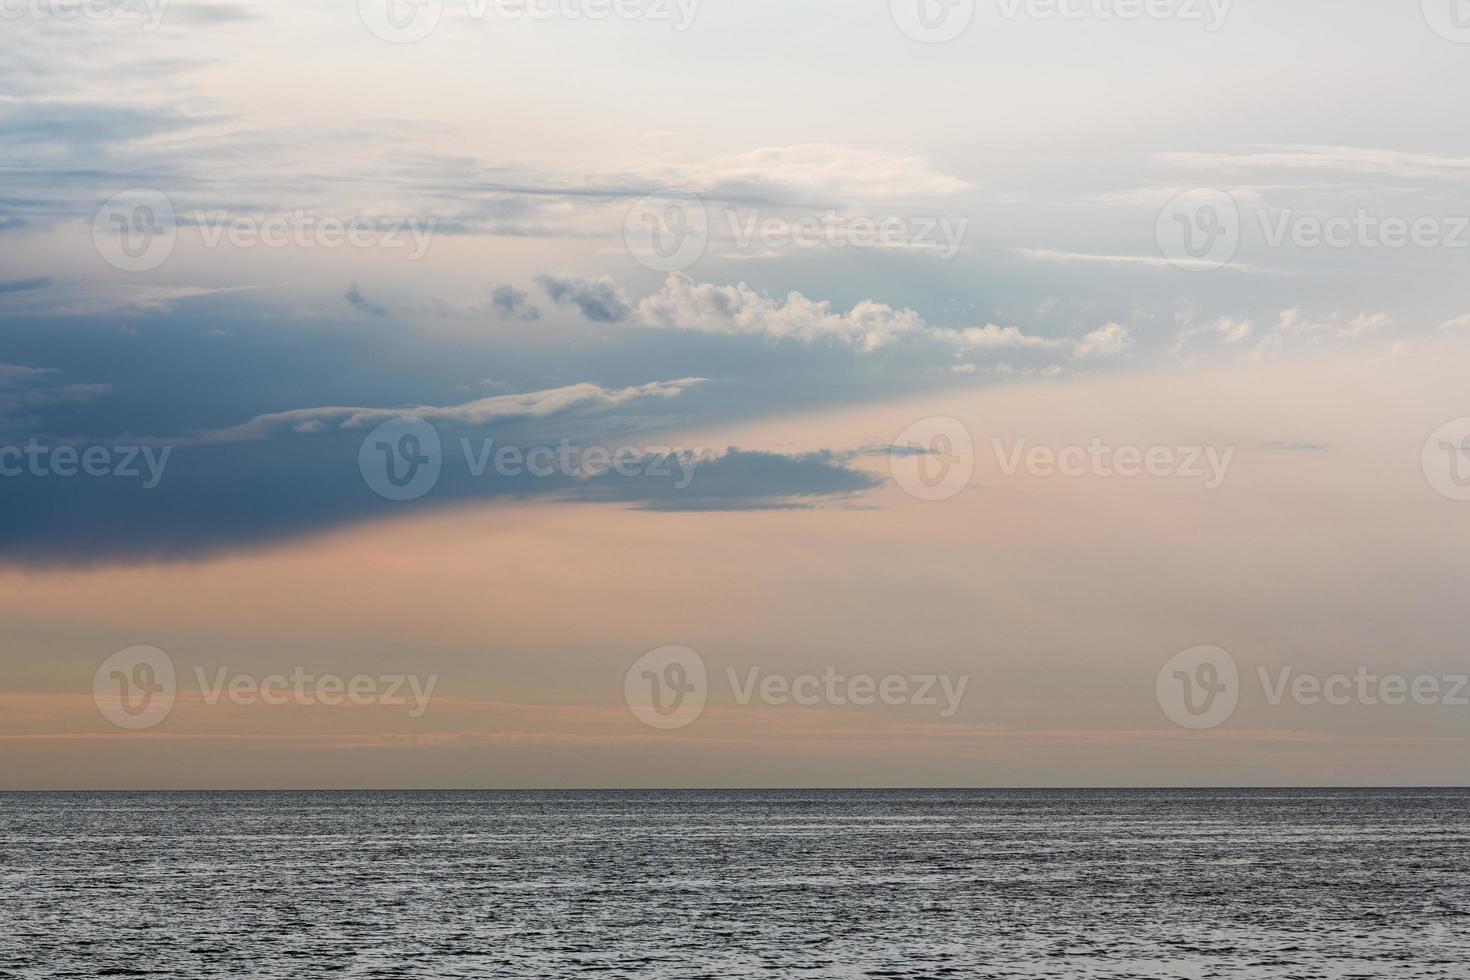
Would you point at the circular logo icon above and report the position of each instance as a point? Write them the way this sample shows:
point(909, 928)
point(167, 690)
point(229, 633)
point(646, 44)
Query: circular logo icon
point(1446, 459)
point(1199, 230)
point(401, 459)
point(1199, 688)
point(933, 459)
point(400, 21)
point(1450, 19)
point(932, 21)
point(668, 231)
point(135, 688)
point(136, 230)
point(667, 688)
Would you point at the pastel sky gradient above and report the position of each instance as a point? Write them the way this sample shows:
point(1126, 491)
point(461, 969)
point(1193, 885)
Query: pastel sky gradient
point(1050, 147)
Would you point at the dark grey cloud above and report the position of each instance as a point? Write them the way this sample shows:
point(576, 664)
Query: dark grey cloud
point(511, 303)
point(600, 300)
point(86, 124)
point(739, 480)
point(354, 298)
point(25, 285)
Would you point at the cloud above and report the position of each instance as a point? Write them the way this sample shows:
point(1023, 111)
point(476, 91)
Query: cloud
point(683, 304)
point(739, 480)
point(1458, 323)
point(1149, 261)
point(1303, 156)
point(1228, 331)
point(535, 404)
point(41, 123)
point(600, 300)
point(1341, 326)
point(124, 299)
point(816, 170)
point(25, 285)
point(511, 303)
point(1296, 329)
point(1107, 341)
point(355, 299)
point(992, 336)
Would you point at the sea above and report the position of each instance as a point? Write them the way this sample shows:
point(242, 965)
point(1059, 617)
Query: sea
point(1065, 884)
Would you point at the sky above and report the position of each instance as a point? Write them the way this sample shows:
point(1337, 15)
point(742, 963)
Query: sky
point(689, 393)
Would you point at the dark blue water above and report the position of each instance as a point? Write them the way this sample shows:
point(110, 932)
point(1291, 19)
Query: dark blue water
point(1062, 884)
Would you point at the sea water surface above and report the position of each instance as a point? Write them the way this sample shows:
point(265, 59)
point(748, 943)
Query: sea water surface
point(1065, 884)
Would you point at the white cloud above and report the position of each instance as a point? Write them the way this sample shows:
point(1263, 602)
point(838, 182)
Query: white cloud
point(535, 404)
point(1339, 325)
point(684, 304)
point(819, 170)
point(1107, 341)
point(1317, 157)
point(1227, 330)
point(1458, 323)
